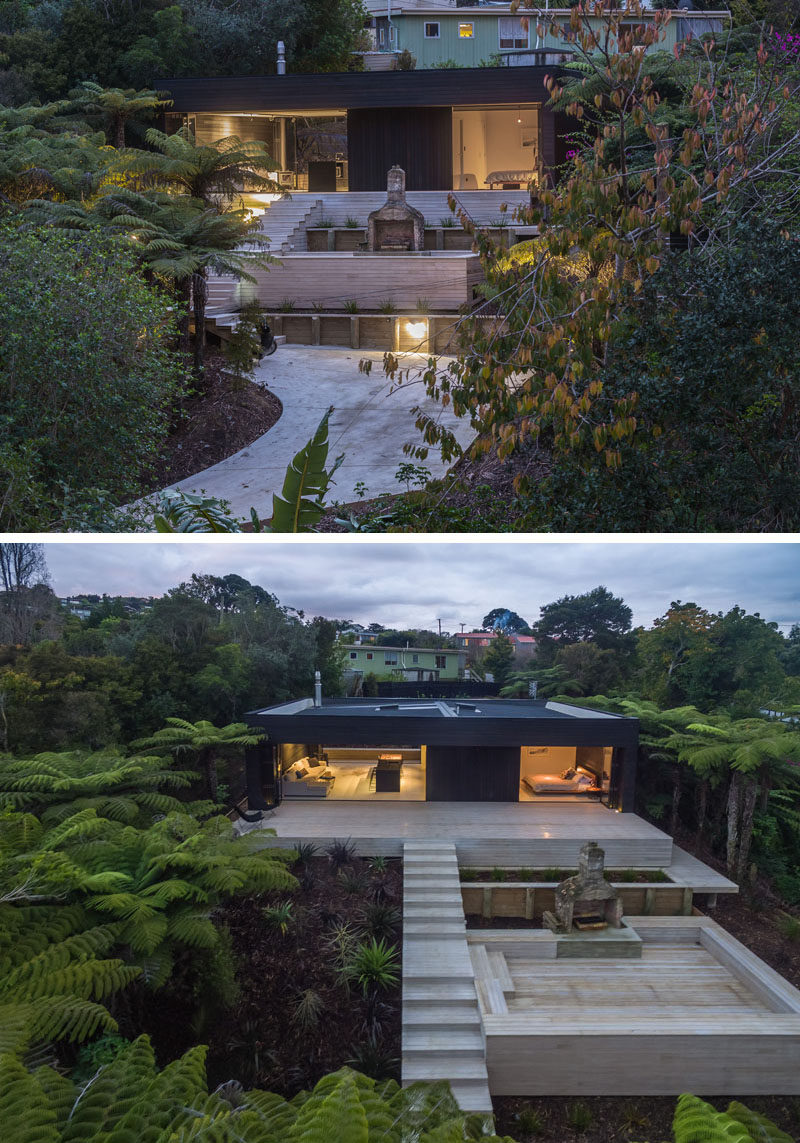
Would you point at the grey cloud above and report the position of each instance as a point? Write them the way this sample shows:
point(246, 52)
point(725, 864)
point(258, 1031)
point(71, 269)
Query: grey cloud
point(412, 583)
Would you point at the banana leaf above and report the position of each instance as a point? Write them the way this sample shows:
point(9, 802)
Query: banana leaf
point(300, 505)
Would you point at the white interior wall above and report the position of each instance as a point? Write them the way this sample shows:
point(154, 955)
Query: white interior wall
point(536, 760)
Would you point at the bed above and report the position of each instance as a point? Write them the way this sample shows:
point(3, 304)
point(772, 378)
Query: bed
point(575, 780)
point(510, 180)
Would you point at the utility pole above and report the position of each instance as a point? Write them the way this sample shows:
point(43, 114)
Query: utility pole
point(440, 627)
point(463, 625)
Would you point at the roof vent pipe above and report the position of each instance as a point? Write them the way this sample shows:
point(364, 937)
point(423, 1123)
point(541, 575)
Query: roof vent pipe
point(317, 689)
point(281, 58)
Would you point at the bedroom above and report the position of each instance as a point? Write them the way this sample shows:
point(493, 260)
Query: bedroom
point(554, 773)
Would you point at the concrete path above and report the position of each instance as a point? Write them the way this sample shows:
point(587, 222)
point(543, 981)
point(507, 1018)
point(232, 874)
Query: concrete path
point(370, 425)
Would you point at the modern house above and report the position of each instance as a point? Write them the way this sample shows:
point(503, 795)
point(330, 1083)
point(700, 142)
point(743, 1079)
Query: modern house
point(452, 33)
point(343, 132)
point(412, 664)
point(483, 751)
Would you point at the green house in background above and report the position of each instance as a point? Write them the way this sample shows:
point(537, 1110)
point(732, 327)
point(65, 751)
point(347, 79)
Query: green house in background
point(446, 35)
point(411, 664)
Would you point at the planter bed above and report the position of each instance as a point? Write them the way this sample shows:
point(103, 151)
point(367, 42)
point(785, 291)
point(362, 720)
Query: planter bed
point(261, 1038)
point(525, 901)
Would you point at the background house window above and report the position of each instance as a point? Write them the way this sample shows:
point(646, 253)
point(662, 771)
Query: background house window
point(390, 658)
point(354, 654)
point(512, 32)
point(432, 31)
point(466, 31)
point(441, 661)
point(415, 658)
point(369, 654)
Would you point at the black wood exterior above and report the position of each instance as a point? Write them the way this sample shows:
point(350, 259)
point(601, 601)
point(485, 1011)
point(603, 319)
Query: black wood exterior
point(259, 764)
point(418, 139)
point(346, 90)
point(472, 774)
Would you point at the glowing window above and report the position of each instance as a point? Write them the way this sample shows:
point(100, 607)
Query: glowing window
point(466, 31)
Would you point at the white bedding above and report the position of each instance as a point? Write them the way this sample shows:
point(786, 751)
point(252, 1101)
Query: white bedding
point(568, 782)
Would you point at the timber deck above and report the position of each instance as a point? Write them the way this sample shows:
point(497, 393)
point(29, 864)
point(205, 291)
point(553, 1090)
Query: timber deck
point(485, 834)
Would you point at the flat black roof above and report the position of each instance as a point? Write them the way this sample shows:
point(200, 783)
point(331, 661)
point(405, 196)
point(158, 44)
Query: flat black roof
point(473, 721)
point(336, 90)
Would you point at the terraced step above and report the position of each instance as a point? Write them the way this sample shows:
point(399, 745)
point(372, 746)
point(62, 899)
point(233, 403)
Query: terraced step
point(451, 1068)
point(472, 1095)
point(421, 1014)
point(440, 990)
point(466, 1042)
point(454, 928)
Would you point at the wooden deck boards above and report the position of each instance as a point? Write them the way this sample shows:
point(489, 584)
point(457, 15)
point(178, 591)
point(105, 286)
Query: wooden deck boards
point(484, 833)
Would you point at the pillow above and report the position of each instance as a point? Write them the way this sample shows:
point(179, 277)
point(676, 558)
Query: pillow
point(584, 780)
point(314, 762)
point(300, 772)
point(568, 775)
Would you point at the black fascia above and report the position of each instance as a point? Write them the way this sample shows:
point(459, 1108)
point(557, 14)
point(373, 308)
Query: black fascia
point(346, 90)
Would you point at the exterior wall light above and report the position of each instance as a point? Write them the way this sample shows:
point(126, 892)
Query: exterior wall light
point(417, 329)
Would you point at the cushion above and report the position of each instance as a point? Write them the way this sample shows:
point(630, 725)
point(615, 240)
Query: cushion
point(300, 772)
point(313, 763)
point(568, 775)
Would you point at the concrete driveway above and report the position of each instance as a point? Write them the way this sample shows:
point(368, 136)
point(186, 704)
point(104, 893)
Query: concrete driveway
point(370, 424)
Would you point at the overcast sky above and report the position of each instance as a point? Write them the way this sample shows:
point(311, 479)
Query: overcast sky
point(412, 584)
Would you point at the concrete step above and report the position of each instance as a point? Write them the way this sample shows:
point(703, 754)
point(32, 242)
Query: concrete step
point(432, 912)
point(421, 1014)
point(452, 928)
point(443, 991)
point(464, 1043)
point(452, 1068)
point(472, 1095)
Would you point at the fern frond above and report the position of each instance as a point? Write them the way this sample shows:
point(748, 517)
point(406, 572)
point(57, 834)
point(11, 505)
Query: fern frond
point(24, 1115)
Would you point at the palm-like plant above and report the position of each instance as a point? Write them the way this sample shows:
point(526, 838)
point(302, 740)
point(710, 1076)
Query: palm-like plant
point(211, 172)
point(203, 740)
point(373, 966)
point(118, 106)
point(57, 785)
point(551, 681)
point(178, 239)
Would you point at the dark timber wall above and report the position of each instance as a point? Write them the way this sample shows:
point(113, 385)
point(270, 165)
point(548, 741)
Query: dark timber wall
point(418, 139)
point(472, 774)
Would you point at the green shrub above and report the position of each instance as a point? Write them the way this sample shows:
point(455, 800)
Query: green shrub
point(373, 965)
point(386, 306)
point(280, 917)
point(579, 1117)
point(85, 349)
point(789, 926)
point(530, 1121)
point(351, 306)
point(497, 874)
point(525, 874)
point(468, 874)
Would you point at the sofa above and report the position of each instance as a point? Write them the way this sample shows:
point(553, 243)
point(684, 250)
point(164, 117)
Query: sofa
point(307, 778)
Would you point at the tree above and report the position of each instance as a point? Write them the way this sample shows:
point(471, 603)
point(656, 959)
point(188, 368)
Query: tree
point(118, 106)
point(665, 652)
point(502, 619)
point(597, 672)
point(208, 743)
point(28, 607)
point(209, 172)
point(177, 239)
point(596, 616)
point(61, 393)
point(498, 659)
point(149, 894)
point(534, 373)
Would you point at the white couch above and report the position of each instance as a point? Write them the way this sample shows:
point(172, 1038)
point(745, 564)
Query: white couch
point(304, 779)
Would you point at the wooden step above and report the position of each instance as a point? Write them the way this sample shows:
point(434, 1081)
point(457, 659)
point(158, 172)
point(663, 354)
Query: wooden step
point(440, 991)
point(453, 928)
point(443, 1042)
point(422, 1013)
point(452, 1068)
point(472, 1095)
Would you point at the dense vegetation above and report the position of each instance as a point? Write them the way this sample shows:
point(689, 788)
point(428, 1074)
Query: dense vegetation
point(633, 367)
point(47, 48)
point(136, 924)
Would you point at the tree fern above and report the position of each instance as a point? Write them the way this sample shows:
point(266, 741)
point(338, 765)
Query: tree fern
point(25, 1117)
point(699, 1122)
